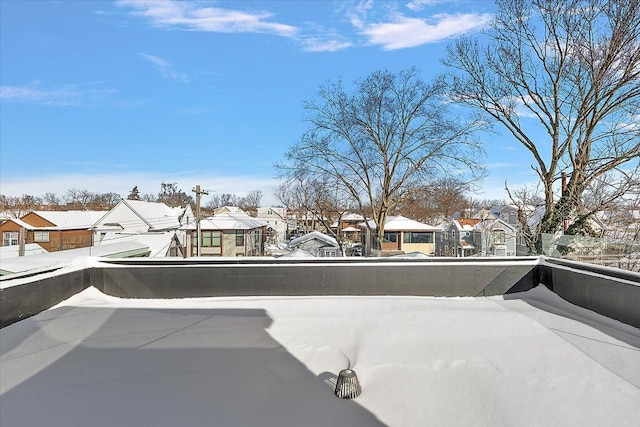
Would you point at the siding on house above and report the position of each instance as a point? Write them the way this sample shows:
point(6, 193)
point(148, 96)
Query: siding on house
point(228, 233)
point(52, 230)
point(402, 235)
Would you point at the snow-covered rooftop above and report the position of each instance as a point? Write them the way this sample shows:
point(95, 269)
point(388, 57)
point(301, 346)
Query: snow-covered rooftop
point(401, 223)
point(71, 219)
point(63, 258)
point(229, 221)
point(13, 251)
point(21, 223)
point(328, 240)
point(142, 216)
point(112, 245)
point(524, 359)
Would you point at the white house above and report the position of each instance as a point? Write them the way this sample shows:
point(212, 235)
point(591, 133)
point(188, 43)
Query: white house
point(277, 224)
point(137, 216)
point(498, 238)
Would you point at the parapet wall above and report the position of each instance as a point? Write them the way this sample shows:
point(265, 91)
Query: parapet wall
point(40, 292)
point(611, 292)
point(362, 276)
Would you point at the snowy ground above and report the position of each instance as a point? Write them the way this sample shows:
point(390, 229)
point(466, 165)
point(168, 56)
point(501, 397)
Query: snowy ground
point(530, 359)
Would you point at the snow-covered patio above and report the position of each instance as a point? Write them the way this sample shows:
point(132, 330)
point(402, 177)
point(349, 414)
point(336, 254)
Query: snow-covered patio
point(522, 359)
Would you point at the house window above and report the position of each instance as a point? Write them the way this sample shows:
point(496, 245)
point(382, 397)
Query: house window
point(416, 237)
point(498, 236)
point(390, 237)
point(239, 237)
point(9, 238)
point(453, 234)
point(40, 236)
point(329, 253)
point(210, 239)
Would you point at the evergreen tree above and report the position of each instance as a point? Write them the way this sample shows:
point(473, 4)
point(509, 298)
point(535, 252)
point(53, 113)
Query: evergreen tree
point(134, 194)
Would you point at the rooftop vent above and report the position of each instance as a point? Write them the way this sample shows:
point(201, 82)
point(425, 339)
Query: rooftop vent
point(347, 386)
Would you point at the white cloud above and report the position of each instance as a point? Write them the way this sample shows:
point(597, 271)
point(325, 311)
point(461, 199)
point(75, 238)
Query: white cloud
point(403, 32)
point(69, 95)
point(324, 45)
point(165, 68)
point(416, 5)
point(193, 16)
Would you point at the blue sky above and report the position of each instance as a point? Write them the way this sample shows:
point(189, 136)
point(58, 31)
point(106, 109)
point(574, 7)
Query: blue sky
point(110, 94)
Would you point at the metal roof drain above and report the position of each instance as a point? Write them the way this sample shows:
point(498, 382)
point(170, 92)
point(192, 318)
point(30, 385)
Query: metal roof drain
point(347, 386)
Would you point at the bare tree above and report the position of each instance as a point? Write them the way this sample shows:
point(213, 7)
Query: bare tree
point(251, 202)
point(528, 201)
point(80, 199)
point(316, 202)
point(148, 197)
point(328, 204)
point(173, 196)
point(5, 203)
point(570, 69)
point(440, 198)
point(221, 200)
point(294, 196)
point(107, 200)
point(19, 206)
point(52, 200)
point(388, 137)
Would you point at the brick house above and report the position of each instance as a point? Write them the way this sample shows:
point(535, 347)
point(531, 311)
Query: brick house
point(53, 230)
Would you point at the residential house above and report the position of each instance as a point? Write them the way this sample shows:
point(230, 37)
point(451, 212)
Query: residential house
point(300, 223)
point(506, 213)
point(52, 230)
point(459, 239)
point(138, 217)
point(348, 227)
point(228, 209)
point(401, 235)
point(229, 232)
point(277, 224)
point(317, 244)
point(498, 238)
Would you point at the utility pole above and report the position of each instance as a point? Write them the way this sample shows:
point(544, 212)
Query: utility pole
point(21, 241)
point(199, 193)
